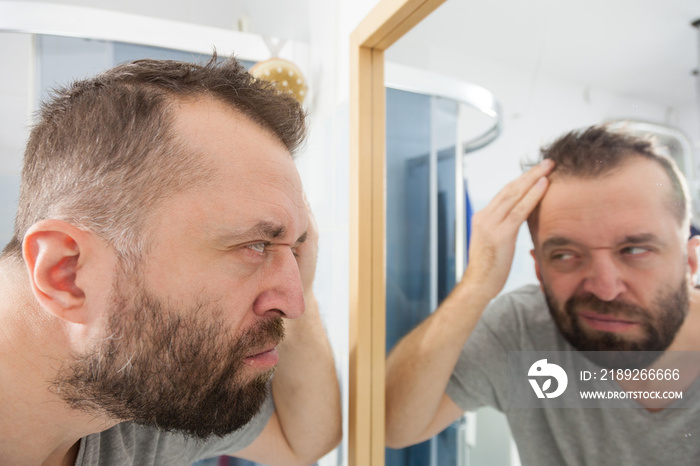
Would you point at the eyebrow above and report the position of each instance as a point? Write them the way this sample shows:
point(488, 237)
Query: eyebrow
point(302, 238)
point(642, 238)
point(267, 230)
point(556, 242)
point(559, 241)
point(263, 230)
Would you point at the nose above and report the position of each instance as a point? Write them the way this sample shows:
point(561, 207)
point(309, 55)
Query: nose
point(281, 288)
point(603, 277)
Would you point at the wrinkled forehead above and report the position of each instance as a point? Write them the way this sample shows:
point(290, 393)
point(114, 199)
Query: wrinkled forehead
point(249, 171)
point(636, 191)
point(222, 136)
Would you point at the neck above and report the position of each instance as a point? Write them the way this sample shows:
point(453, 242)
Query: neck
point(681, 356)
point(688, 336)
point(36, 426)
point(63, 455)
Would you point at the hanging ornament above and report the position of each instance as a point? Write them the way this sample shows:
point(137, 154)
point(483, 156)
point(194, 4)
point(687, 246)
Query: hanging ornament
point(285, 75)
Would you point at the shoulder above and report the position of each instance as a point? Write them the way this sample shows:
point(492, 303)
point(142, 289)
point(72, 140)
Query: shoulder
point(521, 320)
point(527, 303)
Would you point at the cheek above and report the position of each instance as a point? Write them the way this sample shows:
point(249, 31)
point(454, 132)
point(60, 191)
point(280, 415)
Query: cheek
point(237, 296)
point(561, 286)
point(234, 315)
point(646, 284)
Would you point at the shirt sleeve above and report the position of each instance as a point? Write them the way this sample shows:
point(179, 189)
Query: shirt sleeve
point(480, 377)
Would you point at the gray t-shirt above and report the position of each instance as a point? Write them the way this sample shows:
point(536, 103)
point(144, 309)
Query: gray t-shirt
point(520, 321)
point(128, 443)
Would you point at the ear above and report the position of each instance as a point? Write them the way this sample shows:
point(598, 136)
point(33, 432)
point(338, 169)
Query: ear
point(537, 268)
point(693, 244)
point(55, 253)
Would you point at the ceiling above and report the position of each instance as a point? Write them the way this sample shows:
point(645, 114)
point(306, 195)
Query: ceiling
point(641, 48)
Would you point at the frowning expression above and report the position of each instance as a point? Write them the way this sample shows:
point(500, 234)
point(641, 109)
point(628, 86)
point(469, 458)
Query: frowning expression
point(612, 258)
point(191, 336)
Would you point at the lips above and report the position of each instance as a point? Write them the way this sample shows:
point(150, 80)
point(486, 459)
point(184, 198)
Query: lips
point(606, 323)
point(265, 359)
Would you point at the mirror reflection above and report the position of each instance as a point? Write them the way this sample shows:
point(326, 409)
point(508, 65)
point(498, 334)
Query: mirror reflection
point(609, 238)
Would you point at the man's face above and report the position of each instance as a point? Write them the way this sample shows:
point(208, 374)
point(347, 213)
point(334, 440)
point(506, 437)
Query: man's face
point(192, 335)
point(612, 261)
point(169, 365)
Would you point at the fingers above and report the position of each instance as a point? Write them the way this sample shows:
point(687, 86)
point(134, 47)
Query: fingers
point(495, 228)
point(522, 210)
point(502, 217)
point(518, 198)
point(312, 229)
point(308, 250)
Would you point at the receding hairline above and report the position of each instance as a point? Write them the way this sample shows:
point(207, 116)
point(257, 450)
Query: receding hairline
point(631, 158)
point(177, 104)
point(114, 132)
point(204, 170)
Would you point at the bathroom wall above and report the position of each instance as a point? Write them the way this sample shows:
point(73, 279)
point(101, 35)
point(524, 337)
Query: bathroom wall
point(15, 102)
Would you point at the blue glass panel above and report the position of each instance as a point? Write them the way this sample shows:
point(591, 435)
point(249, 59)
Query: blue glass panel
point(408, 221)
point(417, 124)
point(61, 60)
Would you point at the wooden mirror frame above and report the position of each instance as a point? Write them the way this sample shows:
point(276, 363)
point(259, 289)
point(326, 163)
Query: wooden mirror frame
point(384, 25)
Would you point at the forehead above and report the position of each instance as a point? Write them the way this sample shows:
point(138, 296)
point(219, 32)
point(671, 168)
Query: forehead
point(253, 176)
point(631, 199)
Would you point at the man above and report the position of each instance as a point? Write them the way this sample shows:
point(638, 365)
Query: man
point(609, 220)
point(162, 249)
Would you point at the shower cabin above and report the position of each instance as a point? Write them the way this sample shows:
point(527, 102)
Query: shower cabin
point(433, 124)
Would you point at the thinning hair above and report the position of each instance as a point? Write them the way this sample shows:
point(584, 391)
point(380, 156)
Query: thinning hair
point(596, 151)
point(103, 151)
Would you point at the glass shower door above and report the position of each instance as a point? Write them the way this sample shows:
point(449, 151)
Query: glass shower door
point(420, 228)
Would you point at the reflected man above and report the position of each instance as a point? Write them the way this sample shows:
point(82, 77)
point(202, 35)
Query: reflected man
point(609, 220)
point(162, 249)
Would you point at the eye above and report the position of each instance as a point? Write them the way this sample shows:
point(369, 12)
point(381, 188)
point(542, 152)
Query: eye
point(562, 256)
point(258, 247)
point(564, 261)
point(634, 250)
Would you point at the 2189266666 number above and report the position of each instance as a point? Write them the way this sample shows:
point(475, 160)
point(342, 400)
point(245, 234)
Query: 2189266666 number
point(640, 374)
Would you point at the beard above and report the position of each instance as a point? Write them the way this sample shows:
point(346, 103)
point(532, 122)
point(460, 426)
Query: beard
point(176, 369)
point(659, 325)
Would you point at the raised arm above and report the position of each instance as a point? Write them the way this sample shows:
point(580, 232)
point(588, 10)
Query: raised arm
point(420, 365)
point(307, 422)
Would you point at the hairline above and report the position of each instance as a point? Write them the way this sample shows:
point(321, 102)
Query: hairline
point(185, 161)
point(673, 197)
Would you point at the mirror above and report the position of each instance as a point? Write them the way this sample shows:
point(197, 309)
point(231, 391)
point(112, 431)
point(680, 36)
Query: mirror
point(553, 66)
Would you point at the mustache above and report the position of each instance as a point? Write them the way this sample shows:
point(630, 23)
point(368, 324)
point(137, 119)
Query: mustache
point(593, 303)
point(264, 332)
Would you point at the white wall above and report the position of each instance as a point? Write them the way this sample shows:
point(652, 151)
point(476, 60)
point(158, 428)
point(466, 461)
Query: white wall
point(15, 103)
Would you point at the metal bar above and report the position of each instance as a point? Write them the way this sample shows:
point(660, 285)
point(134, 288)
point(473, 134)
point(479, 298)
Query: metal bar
point(98, 24)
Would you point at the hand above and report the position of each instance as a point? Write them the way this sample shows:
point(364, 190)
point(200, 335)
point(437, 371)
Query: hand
point(307, 252)
point(307, 422)
point(495, 229)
